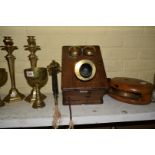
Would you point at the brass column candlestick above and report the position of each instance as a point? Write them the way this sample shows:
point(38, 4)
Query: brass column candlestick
point(14, 94)
point(32, 47)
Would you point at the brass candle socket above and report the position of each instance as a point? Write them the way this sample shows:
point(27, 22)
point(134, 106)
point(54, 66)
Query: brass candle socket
point(32, 47)
point(14, 94)
point(37, 78)
point(3, 80)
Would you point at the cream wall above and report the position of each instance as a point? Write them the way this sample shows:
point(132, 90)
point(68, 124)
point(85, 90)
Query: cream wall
point(126, 51)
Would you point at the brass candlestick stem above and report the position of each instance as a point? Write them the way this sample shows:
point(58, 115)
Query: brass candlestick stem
point(14, 94)
point(32, 47)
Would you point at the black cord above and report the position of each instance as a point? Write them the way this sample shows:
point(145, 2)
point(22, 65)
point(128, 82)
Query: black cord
point(70, 110)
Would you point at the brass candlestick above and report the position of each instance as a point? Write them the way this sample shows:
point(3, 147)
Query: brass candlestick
point(14, 94)
point(3, 79)
point(32, 47)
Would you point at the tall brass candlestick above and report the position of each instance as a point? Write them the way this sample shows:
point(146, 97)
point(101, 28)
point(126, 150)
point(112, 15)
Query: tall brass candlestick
point(32, 47)
point(14, 94)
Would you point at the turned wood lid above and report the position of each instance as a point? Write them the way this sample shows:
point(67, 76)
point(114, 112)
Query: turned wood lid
point(131, 85)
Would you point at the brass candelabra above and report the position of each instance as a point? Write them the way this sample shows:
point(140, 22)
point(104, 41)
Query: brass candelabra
point(14, 94)
point(33, 48)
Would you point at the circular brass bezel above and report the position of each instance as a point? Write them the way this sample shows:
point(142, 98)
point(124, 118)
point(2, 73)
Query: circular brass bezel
point(78, 66)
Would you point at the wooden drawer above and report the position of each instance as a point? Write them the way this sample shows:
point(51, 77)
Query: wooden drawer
point(83, 97)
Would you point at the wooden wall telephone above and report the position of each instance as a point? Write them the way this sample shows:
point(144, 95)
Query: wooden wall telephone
point(83, 75)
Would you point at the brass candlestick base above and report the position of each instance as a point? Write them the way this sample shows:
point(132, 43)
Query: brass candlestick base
point(3, 79)
point(38, 104)
point(14, 96)
point(32, 97)
point(36, 78)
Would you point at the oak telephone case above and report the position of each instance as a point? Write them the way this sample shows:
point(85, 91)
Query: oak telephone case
point(83, 75)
